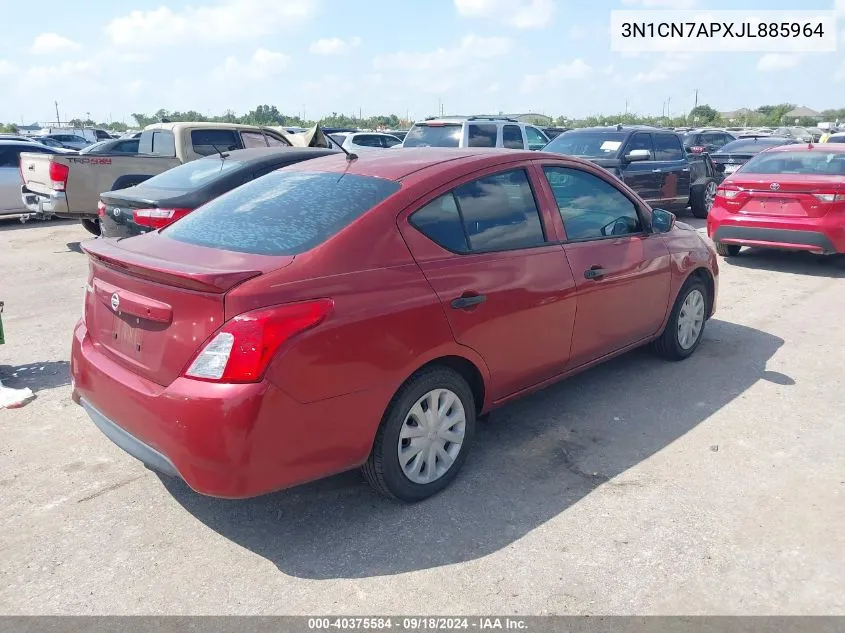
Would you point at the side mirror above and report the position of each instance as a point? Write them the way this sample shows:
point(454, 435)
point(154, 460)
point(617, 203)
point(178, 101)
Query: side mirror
point(638, 154)
point(662, 221)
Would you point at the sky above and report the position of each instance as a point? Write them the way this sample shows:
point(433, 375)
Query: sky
point(405, 57)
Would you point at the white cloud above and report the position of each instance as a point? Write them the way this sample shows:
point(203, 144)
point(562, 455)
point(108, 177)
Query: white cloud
point(576, 69)
point(522, 14)
point(47, 43)
point(7, 68)
point(261, 65)
point(668, 64)
point(471, 48)
point(777, 61)
point(334, 45)
point(225, 21)
point(661, 4)
point(66, 71)
point(839, 76)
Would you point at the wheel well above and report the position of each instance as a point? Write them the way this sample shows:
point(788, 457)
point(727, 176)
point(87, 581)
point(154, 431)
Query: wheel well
point(468, 372)
point(707, 278)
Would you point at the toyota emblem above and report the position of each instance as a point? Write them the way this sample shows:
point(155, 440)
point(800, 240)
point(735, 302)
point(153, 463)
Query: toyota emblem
point(115, 302)
point(774, 186)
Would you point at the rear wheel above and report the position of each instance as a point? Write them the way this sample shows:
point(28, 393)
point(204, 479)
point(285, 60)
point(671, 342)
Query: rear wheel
point(727, 250)
point(686, 323)
point(702, 199)
point(424, 437)
point(92, 226)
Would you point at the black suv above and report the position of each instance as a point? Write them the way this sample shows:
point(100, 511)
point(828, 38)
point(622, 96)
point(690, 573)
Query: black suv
point(652, 161)
point(706, 140)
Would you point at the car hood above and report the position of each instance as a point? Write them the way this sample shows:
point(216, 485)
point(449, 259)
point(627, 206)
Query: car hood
point(684, 226)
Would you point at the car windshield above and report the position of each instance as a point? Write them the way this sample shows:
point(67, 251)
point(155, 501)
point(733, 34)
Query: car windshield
point(753, 145)
point(434, 135)
point(589, 144)
point(815, 163)
point(93, 148)
point(282, 213)
point(194, 174)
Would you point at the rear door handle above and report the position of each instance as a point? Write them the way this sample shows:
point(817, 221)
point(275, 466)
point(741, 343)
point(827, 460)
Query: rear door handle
point(462, 303)
point(656, 171)
point(596, 272)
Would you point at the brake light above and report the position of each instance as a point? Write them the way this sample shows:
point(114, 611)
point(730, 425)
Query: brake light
point(244, 346)
point(101, 209)
point(58, 176)
point(697, 149)
point(727, 192)
point(158, 218)
point(830, 197)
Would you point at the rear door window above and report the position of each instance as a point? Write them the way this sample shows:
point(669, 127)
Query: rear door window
point(209, 141)
point(283, 213)
point(512, 137)
point(668, 147)
point(440, 221)
point(389, 141)
point(9, 156)
point(157, 142)
point(274, 141)
point(366, 140)
point(482, 135)
point(253, 139)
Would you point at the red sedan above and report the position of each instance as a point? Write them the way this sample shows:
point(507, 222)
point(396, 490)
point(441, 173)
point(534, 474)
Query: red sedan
point(352, 312)
point(789, 197)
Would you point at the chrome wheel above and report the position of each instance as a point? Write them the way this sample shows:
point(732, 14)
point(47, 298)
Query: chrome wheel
point(431, 436)
point(709, 195)
point(691, 319)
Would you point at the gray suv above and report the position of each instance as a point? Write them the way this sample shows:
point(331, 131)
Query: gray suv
point(475, 131)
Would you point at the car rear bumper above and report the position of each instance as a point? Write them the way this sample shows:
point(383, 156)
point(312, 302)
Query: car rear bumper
point(223, 440)
point(825, 235)
point(45, 206)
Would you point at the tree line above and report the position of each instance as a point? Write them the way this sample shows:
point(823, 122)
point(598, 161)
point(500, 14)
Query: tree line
point(269, 115)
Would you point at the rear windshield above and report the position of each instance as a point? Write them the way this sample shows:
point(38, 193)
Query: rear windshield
point(836, 139)
point(282, 213)
point(590, 144)
point(193, 175)
point(424, 135)
point(817, 163)
point(753, 145)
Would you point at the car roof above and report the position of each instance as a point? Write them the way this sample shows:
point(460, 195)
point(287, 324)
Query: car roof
point(810, 147)
point(258, 156)
point(178, 125)
point(622, 128)
point(399, 164)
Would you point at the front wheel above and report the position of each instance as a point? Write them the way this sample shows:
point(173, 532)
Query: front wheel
point(701, 200)
point(424, 436)
point(727, 250)
point(92, 226)
point(686, 322)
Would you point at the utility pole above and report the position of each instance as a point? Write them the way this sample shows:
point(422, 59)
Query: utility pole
point(696, 98)
point(668, 103)
point(626, 106)
point(58, 120)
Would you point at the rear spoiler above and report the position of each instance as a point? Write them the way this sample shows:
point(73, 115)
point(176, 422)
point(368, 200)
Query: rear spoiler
point(188, 276)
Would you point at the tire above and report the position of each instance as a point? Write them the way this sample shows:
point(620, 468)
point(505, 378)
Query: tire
point(702, 198)
point(727, 250)
point(92, 226)
point(670, 344)
point(383, 469)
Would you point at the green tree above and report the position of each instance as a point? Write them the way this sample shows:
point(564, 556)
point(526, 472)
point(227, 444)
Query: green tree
point(773, 114)
point(704, 114)
point(8, 128)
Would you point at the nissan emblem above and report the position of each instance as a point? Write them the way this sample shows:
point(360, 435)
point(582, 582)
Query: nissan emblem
point(115, 302)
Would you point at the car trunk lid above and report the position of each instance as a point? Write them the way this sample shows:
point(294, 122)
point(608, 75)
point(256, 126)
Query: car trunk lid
point(151, 302)
point(783, 195)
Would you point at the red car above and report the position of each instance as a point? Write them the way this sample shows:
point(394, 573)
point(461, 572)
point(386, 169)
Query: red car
point(790, 197)
point(349, 312)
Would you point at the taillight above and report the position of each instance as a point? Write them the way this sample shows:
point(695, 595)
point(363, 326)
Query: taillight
point(58, 176)
point(101, 209)
point(158, 218)
point(244, 346)
point(697, 149)
point(727, 192)
point(830, 197)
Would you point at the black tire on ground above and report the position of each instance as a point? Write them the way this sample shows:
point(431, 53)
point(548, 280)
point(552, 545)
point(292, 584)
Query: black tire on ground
point(382, 469)
point(727, 250)
point(701, 198)
point(92, 226)
point(668, 345)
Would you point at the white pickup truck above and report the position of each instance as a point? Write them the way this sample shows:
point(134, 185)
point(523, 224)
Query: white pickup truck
point(69, 185)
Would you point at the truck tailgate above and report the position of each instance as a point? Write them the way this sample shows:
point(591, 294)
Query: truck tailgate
point(35, 169)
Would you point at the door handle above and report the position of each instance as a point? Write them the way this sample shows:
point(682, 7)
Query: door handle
point(685, 169)
point(468, 301)
point(596, 272)
point(656, 171)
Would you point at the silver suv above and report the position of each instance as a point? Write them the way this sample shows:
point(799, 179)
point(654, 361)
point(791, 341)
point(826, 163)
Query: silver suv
point(475, 131)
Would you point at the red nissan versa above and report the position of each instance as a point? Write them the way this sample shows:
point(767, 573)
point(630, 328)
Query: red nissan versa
point(340, 313)
point(790, 197)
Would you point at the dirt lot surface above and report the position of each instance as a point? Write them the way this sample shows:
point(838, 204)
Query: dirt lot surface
point(715, 485)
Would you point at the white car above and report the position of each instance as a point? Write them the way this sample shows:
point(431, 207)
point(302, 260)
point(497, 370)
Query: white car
point(475, 131)
point(355, 141)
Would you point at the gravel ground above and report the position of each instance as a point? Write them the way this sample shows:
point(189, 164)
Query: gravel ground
point(711, 486)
